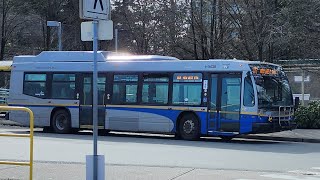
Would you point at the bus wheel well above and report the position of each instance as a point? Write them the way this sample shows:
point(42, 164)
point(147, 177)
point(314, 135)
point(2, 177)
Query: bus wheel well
point(183, 114)
point(57, 109)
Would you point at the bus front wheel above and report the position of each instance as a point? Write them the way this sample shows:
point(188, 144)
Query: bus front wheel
point(61, 122)
point(189, 127)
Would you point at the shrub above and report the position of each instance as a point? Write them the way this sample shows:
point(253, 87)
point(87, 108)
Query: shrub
point(308, 117)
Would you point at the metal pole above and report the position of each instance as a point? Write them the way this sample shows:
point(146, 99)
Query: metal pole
point(95, 100)
point(302, 88)
point(116, 39)
point(6, 81)
point(31, 117)
point(59, 36)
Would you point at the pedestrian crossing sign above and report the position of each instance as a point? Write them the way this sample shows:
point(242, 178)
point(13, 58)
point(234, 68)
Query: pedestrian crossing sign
point(95, 9)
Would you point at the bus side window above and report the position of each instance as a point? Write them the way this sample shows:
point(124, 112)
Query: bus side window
point(125, 88)
point(63, 86)
point(35, 85)
point(248, 95)
point(155, 89)
point(187, 89)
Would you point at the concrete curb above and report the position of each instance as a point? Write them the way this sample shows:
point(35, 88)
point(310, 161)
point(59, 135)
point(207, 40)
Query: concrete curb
point(291, 139)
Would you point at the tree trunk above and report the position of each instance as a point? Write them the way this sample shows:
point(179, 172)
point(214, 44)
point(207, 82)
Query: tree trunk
point(193, 32)
point(44, 35)
point(260, 51)
point(48, 37)
point(220, 38)
point(271, 52)
point(3, 41)
point(172, 25)
point(212, 30)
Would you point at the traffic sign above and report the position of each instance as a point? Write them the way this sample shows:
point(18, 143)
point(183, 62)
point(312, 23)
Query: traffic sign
point(94, 9)
point(299, 79)
point(105, 30)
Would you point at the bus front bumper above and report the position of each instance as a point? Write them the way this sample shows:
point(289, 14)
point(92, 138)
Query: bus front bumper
point(273, 127)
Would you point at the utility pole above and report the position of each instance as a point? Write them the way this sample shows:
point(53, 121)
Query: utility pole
point(302, 87)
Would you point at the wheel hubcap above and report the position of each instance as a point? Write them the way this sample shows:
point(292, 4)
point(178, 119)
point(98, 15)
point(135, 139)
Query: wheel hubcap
point(61, 122)
point(188, 126)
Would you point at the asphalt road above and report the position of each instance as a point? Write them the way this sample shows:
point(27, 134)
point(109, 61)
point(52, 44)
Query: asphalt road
point(165, 151)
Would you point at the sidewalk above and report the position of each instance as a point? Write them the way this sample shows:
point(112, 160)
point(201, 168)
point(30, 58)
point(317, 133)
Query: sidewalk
point(297, 135)
point(77, 171)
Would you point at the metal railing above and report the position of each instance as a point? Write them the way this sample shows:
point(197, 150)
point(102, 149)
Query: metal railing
point(4, 93)
point(30, 163)
point(286, 109)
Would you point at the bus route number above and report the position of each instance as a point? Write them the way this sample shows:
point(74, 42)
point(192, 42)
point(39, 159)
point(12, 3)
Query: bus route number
point(210, 66)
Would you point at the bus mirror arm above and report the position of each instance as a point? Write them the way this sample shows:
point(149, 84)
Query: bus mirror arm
point(248, 74)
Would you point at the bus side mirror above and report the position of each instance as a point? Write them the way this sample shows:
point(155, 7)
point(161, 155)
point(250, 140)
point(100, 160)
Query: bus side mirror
point(296, 102)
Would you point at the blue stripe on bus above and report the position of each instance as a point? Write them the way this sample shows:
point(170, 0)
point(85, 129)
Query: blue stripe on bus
point(169, 113)
point(246, 120)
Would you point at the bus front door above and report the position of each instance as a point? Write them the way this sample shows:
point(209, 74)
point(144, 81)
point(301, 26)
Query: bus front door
point(86, 119)
point(224, 103)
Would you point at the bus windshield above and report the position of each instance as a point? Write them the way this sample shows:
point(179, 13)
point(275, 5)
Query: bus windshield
point(273, 92)
point(272, 86)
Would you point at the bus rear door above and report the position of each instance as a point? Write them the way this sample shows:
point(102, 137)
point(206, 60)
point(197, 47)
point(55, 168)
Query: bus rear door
point(224, 103)
point(85, 94)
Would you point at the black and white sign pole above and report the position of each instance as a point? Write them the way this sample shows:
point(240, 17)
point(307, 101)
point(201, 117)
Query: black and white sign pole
point(95, 100)
point(101, 27)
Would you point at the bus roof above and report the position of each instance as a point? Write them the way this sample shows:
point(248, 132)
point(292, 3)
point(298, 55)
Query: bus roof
point(109, 61)
point(5, 65)
point(87, 56)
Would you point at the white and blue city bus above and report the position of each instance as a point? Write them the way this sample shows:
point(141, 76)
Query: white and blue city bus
point(157, 94)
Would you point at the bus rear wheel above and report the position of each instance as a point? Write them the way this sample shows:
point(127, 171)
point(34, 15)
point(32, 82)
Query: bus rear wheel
point(189, 127)
point(61, 122)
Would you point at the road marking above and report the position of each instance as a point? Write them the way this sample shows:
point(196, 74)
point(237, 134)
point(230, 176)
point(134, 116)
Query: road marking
point(309, 173)
point(288, 177)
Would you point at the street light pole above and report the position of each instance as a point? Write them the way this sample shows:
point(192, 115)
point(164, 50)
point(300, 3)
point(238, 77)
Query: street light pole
point(60, 36)
point(116, 39)
point(57, 24)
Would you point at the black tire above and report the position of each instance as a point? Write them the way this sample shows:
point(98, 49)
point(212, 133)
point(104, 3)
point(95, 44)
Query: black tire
point(189, 127)
point(47, 129)
point(177, 136)
point(61, 122)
